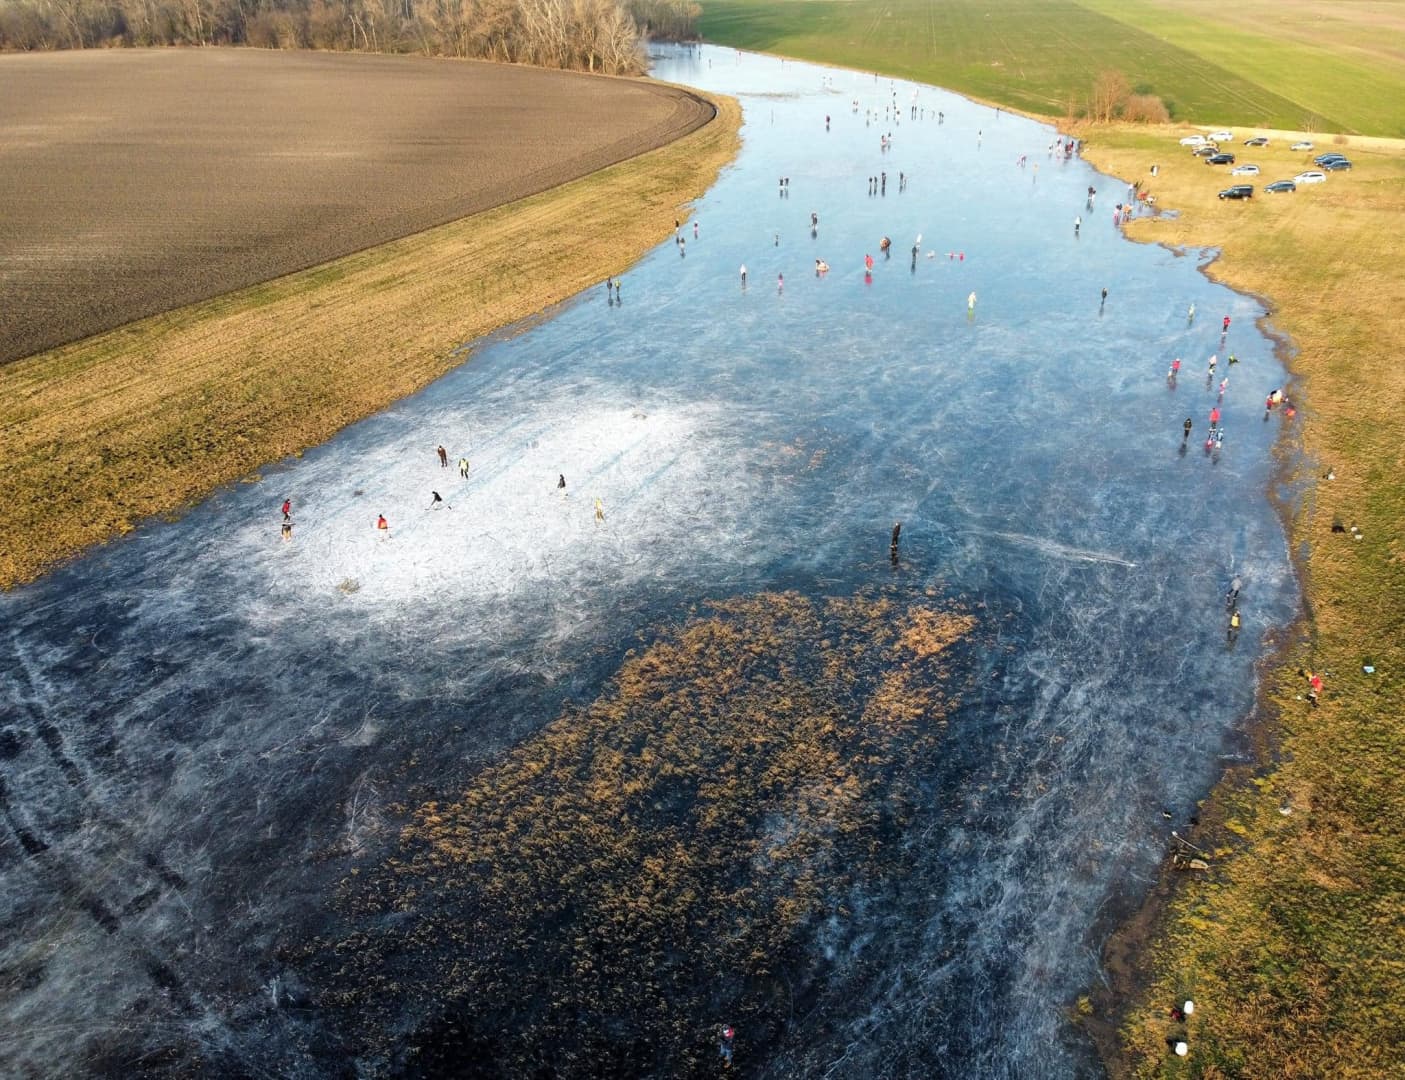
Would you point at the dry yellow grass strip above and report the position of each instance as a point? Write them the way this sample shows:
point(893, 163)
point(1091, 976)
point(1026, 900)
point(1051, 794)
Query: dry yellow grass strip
point(145, 419)
point(1291, 947)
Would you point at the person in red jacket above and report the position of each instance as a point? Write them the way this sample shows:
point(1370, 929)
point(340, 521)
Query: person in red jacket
point(724, 1045)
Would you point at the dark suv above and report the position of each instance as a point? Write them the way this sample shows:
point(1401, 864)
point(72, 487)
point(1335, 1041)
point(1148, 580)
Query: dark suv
point(1220, 159)
point(1238, 191)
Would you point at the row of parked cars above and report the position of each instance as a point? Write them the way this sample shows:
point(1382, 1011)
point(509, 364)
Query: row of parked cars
point(1208, 147)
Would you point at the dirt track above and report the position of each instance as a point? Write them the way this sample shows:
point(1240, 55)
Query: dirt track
point(138, 181)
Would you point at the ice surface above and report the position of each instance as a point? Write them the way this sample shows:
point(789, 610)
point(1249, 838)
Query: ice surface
point(205, 727)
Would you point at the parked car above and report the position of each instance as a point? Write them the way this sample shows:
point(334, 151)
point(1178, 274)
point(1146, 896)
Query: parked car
point(1244, 170)
point(1303, 145)
point(1221, 136)
point(1322, 159)
point(1257, 140)
point(1193, 140)
point(1336, 164)
point(1239, 191)
point(1208, 150)
point(1280, 185)
point(1312, 176)
point(1220, 159)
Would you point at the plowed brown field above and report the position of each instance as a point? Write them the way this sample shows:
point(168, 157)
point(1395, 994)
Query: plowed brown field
point(138, 181)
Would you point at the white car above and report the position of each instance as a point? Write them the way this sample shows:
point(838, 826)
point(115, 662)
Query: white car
point(1312, 176)
point(1221, 136)
point(1193, 140)
point(1304, 145)
point(1244, 170)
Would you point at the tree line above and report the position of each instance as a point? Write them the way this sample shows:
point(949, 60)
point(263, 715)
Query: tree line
point(583, 35)
point(1113, 97)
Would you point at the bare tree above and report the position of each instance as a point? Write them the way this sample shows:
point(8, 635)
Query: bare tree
point(593, 35)
point(1110, 91)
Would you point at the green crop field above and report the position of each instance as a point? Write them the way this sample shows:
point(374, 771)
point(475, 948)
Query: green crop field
point(1281, 65)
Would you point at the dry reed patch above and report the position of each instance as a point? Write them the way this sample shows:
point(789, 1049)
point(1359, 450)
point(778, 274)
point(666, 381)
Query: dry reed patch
point(147, 418)
point(658, 860)
point(1291, 946)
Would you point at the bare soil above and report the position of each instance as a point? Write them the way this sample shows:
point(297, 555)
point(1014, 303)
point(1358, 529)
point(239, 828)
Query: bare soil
point(139, 181)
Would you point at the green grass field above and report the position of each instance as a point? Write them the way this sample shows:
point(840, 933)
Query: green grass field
point(1284, 65)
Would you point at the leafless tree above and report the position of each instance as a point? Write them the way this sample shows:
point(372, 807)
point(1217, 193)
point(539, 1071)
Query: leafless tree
point(1110, 90)
point(592, 35)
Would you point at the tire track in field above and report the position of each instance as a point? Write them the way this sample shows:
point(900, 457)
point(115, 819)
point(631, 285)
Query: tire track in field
point(1199, 69)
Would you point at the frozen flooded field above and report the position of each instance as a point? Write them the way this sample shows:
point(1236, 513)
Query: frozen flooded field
point(245, 780)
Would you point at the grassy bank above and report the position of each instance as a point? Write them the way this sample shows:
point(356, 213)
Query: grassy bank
point(155, 415)
point(1211, 64)
point(1291, 944)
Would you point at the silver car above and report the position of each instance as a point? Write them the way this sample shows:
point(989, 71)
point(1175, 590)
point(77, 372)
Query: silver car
point(1312, 176)
point(1244, 170)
